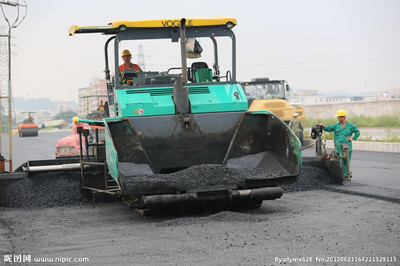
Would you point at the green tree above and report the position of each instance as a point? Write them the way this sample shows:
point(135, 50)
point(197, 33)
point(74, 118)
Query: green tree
point(65, 115)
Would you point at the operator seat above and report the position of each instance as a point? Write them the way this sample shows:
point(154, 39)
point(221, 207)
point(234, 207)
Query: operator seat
point(199, 72)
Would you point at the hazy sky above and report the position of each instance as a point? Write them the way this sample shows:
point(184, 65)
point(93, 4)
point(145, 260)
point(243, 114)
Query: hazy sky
point(324, 45)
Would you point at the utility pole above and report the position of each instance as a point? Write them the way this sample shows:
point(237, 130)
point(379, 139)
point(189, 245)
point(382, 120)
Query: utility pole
point(11, 25)
point(3, 74)
point(141, 62)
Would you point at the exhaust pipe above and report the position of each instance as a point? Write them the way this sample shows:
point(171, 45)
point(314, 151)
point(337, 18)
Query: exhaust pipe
point(183, 50)
point(181, 93)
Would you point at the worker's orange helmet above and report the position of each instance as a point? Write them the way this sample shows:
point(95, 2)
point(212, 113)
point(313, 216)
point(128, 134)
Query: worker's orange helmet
point(125, 52)
point(341, 113)
point(75, 119)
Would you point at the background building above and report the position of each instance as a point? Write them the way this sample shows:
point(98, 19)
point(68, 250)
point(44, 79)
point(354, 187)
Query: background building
point(90, 97)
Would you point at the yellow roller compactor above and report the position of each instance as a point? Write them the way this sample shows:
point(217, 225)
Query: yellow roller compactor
point(265, 94)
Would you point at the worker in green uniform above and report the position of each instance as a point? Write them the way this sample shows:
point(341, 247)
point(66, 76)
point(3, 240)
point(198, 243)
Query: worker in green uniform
point(345, 133)
point(296, 126)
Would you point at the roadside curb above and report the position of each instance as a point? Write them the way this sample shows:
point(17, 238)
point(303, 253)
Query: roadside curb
point(363, 190)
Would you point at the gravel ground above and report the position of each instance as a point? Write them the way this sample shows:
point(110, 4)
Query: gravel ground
point(310, 178)
point(43, 191)
point(224, 216)
point(51, 219)
point(302, 225)
point(47, 190)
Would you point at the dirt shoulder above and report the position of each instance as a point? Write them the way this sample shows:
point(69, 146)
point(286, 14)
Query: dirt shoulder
point(308, 224)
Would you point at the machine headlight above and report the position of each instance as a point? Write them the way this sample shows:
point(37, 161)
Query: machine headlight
point(230, 25)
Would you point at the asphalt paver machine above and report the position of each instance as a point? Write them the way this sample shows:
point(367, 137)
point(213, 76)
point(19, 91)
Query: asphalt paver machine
point(184, 138)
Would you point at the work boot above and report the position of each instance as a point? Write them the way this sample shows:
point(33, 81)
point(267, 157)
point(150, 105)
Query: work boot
point(349, 177)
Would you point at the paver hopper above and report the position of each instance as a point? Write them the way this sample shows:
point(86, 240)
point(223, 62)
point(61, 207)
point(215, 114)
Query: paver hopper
point(185, 138)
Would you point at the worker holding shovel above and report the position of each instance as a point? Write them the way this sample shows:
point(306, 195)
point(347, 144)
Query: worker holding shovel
point(344, 133)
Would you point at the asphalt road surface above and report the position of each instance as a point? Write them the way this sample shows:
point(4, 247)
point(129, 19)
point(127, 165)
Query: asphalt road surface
point(33, 148)
point(313, 227)
point(379, 169)
point(302, 228)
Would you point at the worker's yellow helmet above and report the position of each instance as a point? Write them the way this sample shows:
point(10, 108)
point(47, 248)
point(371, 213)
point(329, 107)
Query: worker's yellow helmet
point(75, 119)
point(341, 113)
point(125, 52)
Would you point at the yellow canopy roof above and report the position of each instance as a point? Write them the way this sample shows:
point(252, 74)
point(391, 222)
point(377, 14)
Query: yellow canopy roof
point(154, 23)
